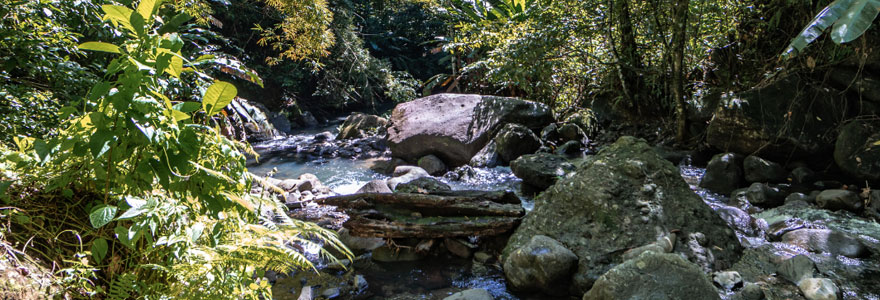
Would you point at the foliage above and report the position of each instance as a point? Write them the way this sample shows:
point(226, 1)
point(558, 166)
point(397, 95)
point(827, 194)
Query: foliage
point(849, 18)
point(303, 31)
point(154, 200)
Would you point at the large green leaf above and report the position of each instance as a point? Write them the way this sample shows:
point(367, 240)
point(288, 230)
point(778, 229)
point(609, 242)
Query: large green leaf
point(147, 8)
point(822, 21)
point(99, 249)
point(119, 15)
point(102, 214)
point(100, 46)
point(218, 96)
point(855, 21)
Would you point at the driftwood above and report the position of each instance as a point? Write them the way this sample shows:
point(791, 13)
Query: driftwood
point(447, 214)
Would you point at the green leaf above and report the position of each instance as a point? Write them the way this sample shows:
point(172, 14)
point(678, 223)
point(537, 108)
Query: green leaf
point(99, 142)
point(126, 236)
point(99, 249)
point(101, 215)
point(218, 96)
point(146, 8)
point(175, 22)
point(42, 149)
point(179, 115)
point(119, 15)
point(4, 185)
point(175, 66)
point(822, 21)
point(187, 107)
point(100, 46)
point(855, 21)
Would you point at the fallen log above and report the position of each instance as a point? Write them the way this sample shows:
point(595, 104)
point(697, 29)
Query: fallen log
point(449, 214)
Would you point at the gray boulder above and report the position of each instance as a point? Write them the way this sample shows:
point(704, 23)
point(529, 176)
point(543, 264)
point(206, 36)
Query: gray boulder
point(653, 275)
point(796, 268)
point(423, 185)
point(840, 199)
point(514, 140)
point(455, 126)
point(541, 264)
point(855, 151)
point(432, 164)
point(626, 197)
point(724, 173)
point(540, 170)
point(486, 157)
point(471, 294)
point(404, 174)
point(375, 186)
point(826, 240)
point(764, 195)
point(359, 125)
point(761, 170)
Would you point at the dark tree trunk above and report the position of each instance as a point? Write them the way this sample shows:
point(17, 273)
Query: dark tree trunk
point(679, 36)
point(627, 51)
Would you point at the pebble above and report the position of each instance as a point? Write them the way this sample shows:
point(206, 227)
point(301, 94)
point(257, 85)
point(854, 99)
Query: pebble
point(818, 289)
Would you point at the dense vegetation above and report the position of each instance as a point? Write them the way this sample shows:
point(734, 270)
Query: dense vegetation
point(116, 165)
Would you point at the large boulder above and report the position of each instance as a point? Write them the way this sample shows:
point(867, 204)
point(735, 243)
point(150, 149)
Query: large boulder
point(761, 170)
point(788, 117)
point(359, 125)
point(515, 140)
point(540, 170)
point(455, 126)
point(653, 275)
point(625, 198)
point(724, 173)
point(856, 152)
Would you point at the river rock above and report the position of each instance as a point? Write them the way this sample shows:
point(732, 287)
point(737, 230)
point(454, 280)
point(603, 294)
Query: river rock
point(761, 170)
point(802, 175)
point(653, 275)
point(840, 199)
point(514, 140)
point(570, 148)
point(455, 126)
point(396, 254)
point(486, 157)
point(375, 186)
point(459, 248)
point(432, 164)
point(550, 134)
point(471, 294)
point(540, 170)
point(404, 174)
point(724, 173)
point(541, 264)
point(800, 197)
point(423, 185)
point(728, 280)
point(790, 117)
point(825, 240)
point(625, 197)
point(387, 166)
point(796, 268)
point(359, 125)
point(855, 151)
point(764, 195)
point(818, 289)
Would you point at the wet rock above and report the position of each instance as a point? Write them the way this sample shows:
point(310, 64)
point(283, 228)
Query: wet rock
point(375, 186)
point(514, 140)
point(550, 134)
point(763, 195)
point(724, 173)
point(541, 264)
point(802, 175)
point(569, 148)
point(459, 248)
point(778, 229)
point(571, 132)
point(395, 254)
point(540, 170)
point(404, 174)
point(761, 170)
point(387, 166)
point(789, 117)
point(659, 276)
point(311, 179)
point(855, 151)
point(482, 257)
point(472, 294)
point(751, 291)
point(818, 289)
point(825, 240)
point(664, 244)
point(359, 125)
point(487, 157)
point(455, 127)
point(796, 269)
point(840, 199)
point(423, 185)
point(800, 197)
point(727, 280)
point(606, 207)
point(288, 184)
point(324, 136)
point(737, 219)
point(432, 164)
point(330, 293)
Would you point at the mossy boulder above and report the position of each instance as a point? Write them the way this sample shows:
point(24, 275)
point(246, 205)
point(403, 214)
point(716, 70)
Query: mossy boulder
point(627, 197)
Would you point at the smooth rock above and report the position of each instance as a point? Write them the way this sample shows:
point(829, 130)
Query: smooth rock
point(515, 140)
point(724, 173)
point(375, 186)
point(423, 185)
point(359, 125)
point(404, 174)
point(359, 243)
point(486, 157)
point(855, 150)
point(432, 164)
point(761, 170)
point(455, 126)
point(728, 279)
point(569, 148)
point(653, 275)
point(472, 294)
point(541, 264)
point(818, 289)
point(751, 291)
point(540, 170)
point(459, 248)
point(482, 257)
point(800, 197)
point(840, 199)
point(825, 240)
point(802, 175)
point(763, 195)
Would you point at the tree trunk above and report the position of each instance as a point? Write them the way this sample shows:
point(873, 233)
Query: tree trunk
point(628, 54)
point(679, 36)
